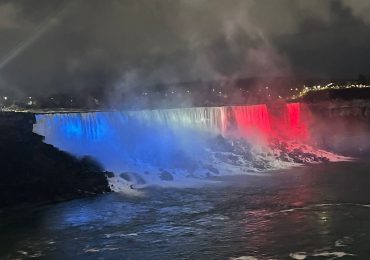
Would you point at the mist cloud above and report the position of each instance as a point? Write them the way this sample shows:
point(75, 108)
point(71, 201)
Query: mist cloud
point(8, 16)
point(122, 45)
point(359, 8)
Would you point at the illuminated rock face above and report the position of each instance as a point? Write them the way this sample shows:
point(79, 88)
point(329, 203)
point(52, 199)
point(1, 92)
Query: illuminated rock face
point(163, 138)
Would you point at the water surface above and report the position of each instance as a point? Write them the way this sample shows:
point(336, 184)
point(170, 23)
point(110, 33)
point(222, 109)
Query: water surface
point(318, 212)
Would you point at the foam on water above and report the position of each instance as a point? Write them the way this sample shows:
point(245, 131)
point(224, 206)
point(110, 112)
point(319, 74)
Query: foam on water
point(326, 254)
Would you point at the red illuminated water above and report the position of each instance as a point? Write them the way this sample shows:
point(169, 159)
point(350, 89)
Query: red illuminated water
point(250, 120)
point(296, 127)
point(287, 122)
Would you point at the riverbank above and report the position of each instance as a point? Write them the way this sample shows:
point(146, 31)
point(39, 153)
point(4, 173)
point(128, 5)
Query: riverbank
point(34, 172)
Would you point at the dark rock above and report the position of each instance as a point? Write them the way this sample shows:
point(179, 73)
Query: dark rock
point(297, 160)
point(109, 174)
point(91, 164)
point(261, 165)
point(35, 172)
point(284, 157)
point(323, 159)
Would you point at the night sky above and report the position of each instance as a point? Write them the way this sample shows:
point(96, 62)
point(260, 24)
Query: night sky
point(49, 46)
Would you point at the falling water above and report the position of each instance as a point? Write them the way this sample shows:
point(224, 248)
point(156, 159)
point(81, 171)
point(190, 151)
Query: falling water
point(162, 139)
point(203, 119)
point(251, 120)
point(296, 127)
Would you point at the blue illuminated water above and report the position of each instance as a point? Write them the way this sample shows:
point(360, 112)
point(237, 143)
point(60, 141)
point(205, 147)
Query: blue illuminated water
point(119, 141)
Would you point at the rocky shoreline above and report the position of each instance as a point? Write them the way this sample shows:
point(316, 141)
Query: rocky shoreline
point(35, 172)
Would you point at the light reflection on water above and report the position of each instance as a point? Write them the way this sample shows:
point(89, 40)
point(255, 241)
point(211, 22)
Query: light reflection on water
point(315, 211)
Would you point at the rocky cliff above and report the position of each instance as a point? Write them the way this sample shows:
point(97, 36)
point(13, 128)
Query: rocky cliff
point(35, 172)
point(341, 126)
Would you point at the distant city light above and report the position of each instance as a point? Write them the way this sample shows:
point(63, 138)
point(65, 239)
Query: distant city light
point(329, 86)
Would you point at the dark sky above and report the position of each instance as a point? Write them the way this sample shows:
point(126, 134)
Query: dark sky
point(50, 46)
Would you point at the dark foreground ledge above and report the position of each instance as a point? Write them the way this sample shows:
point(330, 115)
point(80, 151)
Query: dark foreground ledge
point(34, 172)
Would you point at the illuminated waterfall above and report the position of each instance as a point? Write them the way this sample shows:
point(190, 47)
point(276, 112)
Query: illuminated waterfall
point(296, 127)
point(157, 138)
point(250, 120)
point(130, 140)
point(205, 119)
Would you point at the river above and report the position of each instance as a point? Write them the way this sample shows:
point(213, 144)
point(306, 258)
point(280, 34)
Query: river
point(320, 211)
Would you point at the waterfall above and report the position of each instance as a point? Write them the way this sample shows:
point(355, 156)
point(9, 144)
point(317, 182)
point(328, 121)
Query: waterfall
point(251, 120)
point(204, 119)
point(120, 140)
point(167, 138)
point(296, 127)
